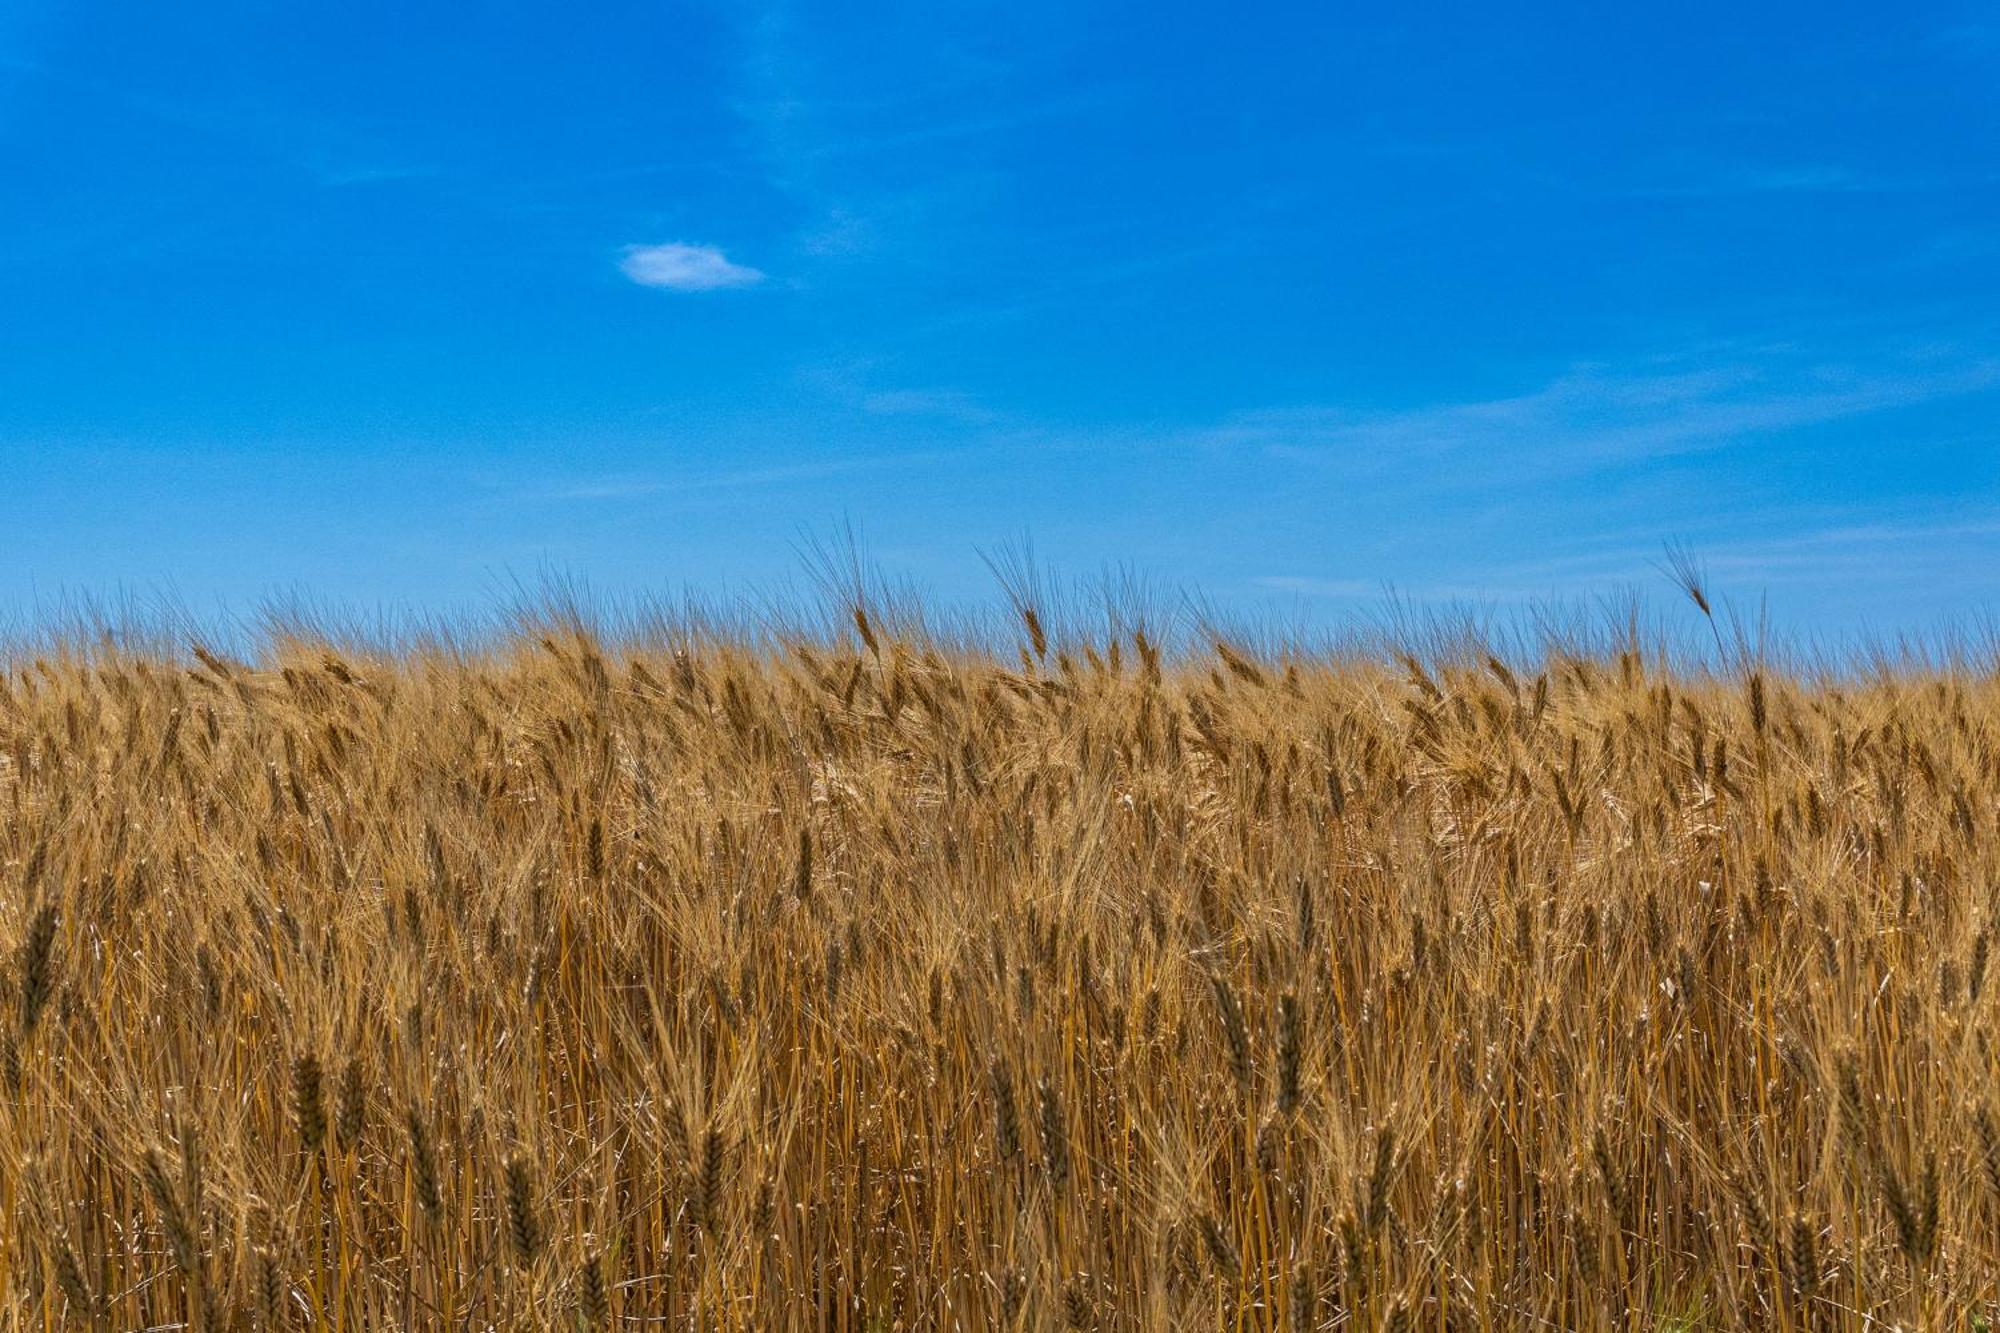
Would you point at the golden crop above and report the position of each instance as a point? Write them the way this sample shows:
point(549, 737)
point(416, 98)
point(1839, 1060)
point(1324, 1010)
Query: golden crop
point(870, 986)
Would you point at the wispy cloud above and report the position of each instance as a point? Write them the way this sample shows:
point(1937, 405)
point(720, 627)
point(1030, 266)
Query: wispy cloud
point(891, 150)
point(343, 177)
point(634, 487)
point(1979, 37)
point(848, 383)
point(952, 404)
point(1477, 591)
point(1832, 552)
point(1847, 548)
point(680, 267)
point(1812, 179)
point(1306, 586)
point(1595, 415)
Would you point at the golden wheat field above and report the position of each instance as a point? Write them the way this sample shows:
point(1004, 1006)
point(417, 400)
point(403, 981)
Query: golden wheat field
point(866, 985)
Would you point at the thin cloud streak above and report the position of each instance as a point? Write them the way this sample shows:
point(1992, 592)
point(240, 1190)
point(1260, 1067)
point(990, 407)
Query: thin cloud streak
point(1856, 553)
point(633, 488)
point(1592, 416)
point(1813, 180)
point(1317, 587)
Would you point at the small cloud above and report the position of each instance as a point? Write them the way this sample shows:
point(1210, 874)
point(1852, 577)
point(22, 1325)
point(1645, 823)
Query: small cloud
point(685, 268)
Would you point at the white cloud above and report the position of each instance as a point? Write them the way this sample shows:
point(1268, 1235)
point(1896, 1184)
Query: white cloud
point(685, 268)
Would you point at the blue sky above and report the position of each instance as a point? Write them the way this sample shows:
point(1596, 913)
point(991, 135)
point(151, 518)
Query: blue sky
point(397, 303)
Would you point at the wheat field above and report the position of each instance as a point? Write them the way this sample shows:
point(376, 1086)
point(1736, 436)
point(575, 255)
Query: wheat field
point(864, 984)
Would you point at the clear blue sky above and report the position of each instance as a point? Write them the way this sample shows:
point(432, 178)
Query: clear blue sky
point(394, 302)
